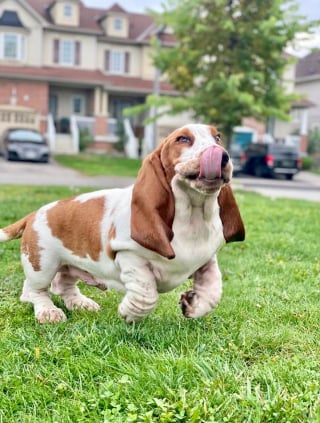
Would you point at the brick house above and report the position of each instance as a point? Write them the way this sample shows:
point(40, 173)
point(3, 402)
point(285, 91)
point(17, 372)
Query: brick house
point(65, 66)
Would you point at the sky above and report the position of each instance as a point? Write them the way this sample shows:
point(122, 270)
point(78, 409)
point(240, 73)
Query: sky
point(310, 8)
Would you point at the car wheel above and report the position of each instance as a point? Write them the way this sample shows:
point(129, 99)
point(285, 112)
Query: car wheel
point(289, 176)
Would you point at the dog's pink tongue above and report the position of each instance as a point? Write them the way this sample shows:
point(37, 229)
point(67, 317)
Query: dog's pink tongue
point(210, 162)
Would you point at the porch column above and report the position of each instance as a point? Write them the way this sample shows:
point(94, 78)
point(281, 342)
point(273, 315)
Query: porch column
point(100, 115)
point(97, 101)
point(104, 103)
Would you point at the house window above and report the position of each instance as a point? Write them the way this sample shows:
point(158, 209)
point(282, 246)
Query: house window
point(118, 24)
point(66, 52)
point(11, 46)
point(67, 10)
point(296, 115)
point(78, 105)
point(117, 61)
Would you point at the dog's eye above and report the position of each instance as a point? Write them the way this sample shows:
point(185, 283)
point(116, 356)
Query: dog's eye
point(183, 139)
point(218, 139)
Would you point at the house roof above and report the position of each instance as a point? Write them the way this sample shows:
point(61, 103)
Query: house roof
point(303, 103)
point(10, 18)
point(308, 66)
point(60, 75)
point(90, 18)
point(117, 8)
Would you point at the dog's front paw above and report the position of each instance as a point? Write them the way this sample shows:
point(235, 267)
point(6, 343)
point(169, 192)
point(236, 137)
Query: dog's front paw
point(186, 302)
point(127, 315)
point(80, 301)
point(50, 315)
point(193, 304)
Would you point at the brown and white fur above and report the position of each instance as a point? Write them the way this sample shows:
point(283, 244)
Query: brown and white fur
point(142, 240)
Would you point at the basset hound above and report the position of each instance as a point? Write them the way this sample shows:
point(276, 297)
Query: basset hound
point(142, 240)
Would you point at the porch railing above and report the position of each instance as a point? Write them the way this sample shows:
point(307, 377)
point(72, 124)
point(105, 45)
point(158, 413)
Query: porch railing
point(75, 132)
point(131, 146)
point(51, 132)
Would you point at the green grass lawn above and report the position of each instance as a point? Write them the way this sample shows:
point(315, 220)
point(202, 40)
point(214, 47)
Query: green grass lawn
point(255, 359)
point(93, 164)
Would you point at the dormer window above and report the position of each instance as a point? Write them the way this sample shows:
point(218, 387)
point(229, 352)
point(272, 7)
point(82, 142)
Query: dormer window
point(67, 10)
point(118, 24)
point(115, 22)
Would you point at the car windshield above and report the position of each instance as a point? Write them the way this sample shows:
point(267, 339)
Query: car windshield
point(235, 148)
point(25, 136)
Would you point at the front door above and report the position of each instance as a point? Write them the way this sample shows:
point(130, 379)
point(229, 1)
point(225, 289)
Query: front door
point(53, 107)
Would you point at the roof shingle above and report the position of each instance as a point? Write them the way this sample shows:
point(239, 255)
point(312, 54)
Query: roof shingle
point(86, 77)
point(308, 66)
point(90, 17)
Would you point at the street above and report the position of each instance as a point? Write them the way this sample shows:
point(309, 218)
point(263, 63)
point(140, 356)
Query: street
point(305, 185)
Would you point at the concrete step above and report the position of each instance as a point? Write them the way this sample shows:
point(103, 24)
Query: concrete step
point(64, 144)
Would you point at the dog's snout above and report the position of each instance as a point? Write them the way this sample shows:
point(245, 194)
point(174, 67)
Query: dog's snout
point(225, 159)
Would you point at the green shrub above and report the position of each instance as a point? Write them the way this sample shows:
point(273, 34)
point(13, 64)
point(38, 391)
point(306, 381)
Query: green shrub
point(314, 141)
point(85, 138)
point(307, 162)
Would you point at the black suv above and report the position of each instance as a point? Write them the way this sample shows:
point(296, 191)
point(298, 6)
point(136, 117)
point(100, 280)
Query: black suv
point(272, 160)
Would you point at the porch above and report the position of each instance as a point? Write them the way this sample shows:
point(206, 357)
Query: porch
point(95, 113)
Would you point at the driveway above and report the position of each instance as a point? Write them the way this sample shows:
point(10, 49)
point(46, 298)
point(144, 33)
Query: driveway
point(304, 186)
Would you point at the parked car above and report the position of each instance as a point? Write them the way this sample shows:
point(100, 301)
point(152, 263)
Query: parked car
point(24, 144)
point(238, 157)
point(272, 160)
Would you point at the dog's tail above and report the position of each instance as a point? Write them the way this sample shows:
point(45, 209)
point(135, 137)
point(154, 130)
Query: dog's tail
point(15, 230)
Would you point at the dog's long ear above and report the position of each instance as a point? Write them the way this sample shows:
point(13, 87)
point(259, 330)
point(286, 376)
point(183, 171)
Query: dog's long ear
point(233, 227)
point(152, 208)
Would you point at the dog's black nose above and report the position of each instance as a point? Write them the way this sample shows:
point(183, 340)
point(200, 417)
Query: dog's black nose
point(225, 159)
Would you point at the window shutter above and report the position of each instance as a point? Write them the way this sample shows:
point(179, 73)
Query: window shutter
point(77, 57)
point(127, 62)
point(107, 60)
point(55, 51)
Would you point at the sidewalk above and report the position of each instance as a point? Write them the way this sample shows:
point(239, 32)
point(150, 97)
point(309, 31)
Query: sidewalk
point(20, 173)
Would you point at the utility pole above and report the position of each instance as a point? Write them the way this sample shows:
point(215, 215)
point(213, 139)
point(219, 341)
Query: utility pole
point(156, 91)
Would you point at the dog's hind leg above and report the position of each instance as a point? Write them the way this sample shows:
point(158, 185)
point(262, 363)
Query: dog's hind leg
point(35, 290)
point(65, 284)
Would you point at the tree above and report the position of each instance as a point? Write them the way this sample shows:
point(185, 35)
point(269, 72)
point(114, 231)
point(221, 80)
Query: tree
point(229, 59)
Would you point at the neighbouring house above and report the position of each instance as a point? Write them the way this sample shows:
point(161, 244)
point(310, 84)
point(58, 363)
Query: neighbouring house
point(307, 84)
point(65, 66)
point(302, 115)
point(295, 130)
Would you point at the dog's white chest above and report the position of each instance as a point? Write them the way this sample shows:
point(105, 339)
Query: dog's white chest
point(195, 243)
